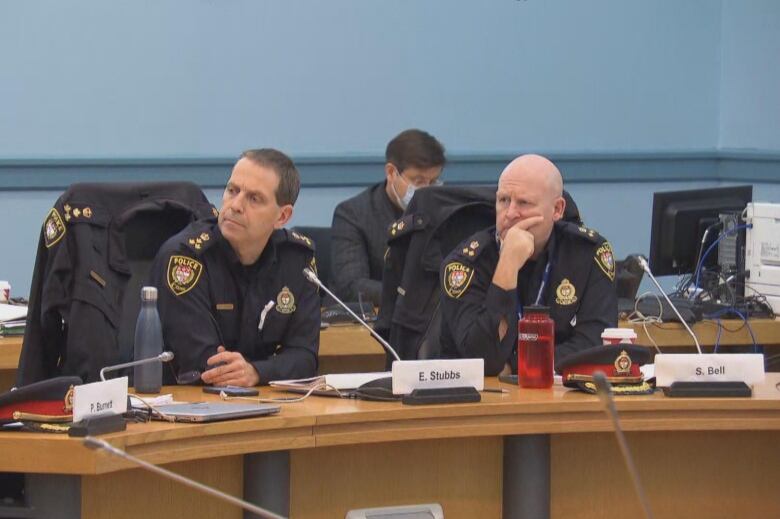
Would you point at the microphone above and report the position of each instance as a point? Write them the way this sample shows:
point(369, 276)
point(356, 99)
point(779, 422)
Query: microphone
point(646, 268)
point(95, 444)
point(312, 277)
point(165, 356)
point(604, 392)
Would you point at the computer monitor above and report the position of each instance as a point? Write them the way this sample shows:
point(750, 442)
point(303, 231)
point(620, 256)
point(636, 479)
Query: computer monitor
point(679, 221)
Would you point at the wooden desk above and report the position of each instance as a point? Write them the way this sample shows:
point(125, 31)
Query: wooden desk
point(734, 333)
point(343, 349)
point(697, 457)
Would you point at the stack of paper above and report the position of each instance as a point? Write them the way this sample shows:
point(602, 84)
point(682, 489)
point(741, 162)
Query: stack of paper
point(12, 319)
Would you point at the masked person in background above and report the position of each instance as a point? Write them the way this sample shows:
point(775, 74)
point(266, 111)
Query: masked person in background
point(415, 159)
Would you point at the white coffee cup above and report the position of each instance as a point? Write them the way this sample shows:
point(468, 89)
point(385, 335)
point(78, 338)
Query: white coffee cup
point(5, 291)
point(618, 336)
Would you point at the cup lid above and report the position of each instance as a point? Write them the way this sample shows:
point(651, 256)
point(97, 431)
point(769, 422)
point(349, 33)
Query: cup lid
point(618, 333)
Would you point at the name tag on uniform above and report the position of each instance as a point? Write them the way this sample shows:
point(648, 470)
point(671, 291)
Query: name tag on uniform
point(425, 374)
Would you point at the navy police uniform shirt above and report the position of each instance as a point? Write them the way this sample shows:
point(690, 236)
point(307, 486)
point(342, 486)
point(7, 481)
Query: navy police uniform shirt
point(580, 292)
point(208, 298)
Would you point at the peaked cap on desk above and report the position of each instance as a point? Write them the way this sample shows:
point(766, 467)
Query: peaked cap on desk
point(44, 401)
point(619, 363)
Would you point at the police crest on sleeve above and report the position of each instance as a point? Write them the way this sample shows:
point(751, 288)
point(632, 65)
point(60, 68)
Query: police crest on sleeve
point(183, 274)
point(605, 260)
point(457, 278)
point(53, 228)
point(285, 301)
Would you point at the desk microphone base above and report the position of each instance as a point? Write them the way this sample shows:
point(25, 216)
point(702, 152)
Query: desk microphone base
point(98, 425)
point(442, 395)
point(708, 389)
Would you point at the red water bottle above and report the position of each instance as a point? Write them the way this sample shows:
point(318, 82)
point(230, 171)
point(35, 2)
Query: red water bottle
point(535, 348)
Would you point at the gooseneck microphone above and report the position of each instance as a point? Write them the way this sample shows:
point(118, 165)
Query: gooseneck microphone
point(165, 356)
point(312, 277)
point(95, 444)
point(646, 268)
point(604, 391)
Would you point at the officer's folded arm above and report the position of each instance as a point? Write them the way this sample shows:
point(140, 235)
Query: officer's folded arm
point(475, 319)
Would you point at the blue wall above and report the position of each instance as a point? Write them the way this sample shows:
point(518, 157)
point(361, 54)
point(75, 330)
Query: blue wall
point(628, 96)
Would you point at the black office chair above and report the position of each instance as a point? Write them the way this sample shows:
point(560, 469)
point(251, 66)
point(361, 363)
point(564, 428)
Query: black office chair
point(628, 277)
point(94, 254)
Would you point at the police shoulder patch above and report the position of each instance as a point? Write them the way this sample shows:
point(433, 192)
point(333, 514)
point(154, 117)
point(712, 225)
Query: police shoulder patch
point(457, 278)
point(53, 228)
point(605, 260)
point(183, 274)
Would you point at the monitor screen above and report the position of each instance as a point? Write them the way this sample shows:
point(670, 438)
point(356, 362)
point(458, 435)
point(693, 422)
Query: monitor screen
point(679, 221)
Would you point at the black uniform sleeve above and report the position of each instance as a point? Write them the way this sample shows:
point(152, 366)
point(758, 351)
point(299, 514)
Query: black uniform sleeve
point(189, 328)
point(597, 311)
point(297, 356)
point(350, 256)
point(44, 337)
point(474, 315)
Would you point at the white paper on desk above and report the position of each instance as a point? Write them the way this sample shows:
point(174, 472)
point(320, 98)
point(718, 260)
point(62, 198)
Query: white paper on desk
point(12, 312)
point(340, 381)
point(137, 403)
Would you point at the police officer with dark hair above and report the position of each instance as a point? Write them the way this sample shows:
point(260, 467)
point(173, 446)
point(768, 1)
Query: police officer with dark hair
point(530, 257)
point(414, 159)
point(232, 297)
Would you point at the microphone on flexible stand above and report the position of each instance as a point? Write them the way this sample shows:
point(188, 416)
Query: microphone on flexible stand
point(384, 388)
point(165, 356)
point(604, 391)
point(95, 444)
point(312, 277)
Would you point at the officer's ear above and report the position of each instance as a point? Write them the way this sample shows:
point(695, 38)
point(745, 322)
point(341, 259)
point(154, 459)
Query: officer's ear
point(389, 170)
point(285, 213)
point(558, 208)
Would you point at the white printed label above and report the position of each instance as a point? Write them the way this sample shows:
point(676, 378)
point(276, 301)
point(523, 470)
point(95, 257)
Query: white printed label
point(708, 367)
point(100, 398)
point(422, 374)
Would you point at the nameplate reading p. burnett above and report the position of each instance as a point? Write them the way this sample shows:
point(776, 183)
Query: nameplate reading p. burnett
point(426, 374)
point(100, 398)
point(708, 367)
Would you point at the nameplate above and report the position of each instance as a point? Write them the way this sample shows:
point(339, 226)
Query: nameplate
point(100, 398)
point(426, 374)
point(708, 367)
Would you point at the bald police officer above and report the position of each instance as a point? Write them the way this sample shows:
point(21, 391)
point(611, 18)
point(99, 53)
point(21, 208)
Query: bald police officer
point(233, 301)
point(530, 257)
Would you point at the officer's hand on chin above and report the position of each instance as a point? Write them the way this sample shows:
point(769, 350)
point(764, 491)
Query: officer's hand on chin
point(233, 370)
point(518, 243)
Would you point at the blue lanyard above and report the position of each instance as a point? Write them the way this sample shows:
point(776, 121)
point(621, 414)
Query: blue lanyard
point(545, 280)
